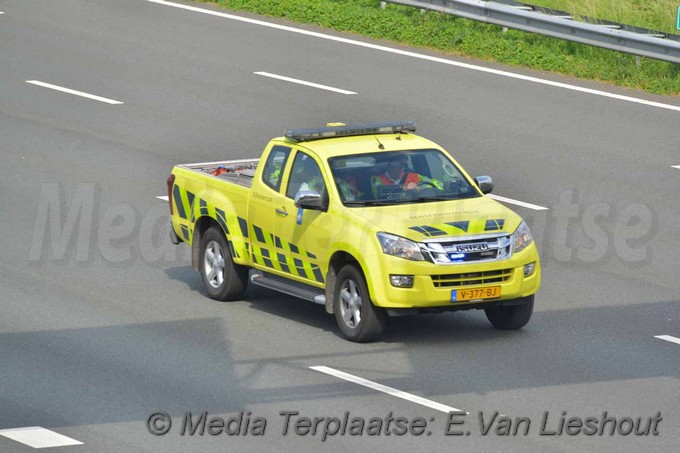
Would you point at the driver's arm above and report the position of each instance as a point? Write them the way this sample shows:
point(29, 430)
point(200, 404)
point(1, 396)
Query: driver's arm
point(412, 185)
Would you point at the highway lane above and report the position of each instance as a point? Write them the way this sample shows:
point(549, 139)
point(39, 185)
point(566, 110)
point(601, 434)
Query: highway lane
point(93, 346)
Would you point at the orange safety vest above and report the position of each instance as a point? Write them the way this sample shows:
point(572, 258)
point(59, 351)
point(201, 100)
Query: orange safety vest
point(405, 179)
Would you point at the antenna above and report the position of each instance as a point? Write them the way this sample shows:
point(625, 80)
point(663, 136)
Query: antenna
point(380, 145)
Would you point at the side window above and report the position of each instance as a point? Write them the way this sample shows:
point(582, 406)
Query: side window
point(305, 175)
point(273, 169)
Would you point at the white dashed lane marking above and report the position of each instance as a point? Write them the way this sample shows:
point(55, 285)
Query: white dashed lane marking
point(385, 389)
point(304, 82)
point(517, 202)
point(74, 92)
point(38, 437)
point(668, 338)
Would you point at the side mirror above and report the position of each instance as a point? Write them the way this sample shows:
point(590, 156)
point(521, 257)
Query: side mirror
point(309, 199)
point(485, 183)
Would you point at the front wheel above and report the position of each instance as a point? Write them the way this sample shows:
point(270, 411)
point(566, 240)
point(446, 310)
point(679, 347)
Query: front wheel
point(223, 279)
point(511, 317)
point(358, 319)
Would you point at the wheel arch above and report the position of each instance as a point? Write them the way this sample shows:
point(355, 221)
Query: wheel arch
point(339, 259)
point(202, 225)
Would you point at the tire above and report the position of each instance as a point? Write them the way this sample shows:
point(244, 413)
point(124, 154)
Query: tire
point(511, 317)
point(222, 278)
point(358, 319)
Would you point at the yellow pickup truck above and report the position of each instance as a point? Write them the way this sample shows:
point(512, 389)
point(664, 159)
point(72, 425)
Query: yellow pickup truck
point(369, 220)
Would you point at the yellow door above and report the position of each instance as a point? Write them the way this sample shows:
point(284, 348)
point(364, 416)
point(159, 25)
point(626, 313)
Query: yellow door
point(302, 234)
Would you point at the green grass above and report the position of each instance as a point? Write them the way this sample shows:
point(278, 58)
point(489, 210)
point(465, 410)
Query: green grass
point(457, 36)
point(657, 15)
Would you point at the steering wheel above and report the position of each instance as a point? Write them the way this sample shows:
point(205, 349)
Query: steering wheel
point(389, 192)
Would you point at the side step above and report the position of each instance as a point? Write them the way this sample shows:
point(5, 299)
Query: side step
point(291, 288)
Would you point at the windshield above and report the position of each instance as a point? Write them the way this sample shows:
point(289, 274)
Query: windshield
point(392, 177)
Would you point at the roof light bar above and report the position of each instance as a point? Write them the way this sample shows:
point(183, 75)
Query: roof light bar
point(303, 135)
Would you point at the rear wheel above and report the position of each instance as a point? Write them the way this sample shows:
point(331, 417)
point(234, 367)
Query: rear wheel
point(511, 317)
point(223, 279)
point(358, 319)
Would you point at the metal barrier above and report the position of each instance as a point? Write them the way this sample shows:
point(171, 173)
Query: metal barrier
point(559, 24)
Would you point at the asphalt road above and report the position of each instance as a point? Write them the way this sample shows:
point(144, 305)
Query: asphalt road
point(104, 323)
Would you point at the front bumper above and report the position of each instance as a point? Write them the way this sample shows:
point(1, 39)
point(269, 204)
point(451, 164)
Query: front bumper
point(433, 284)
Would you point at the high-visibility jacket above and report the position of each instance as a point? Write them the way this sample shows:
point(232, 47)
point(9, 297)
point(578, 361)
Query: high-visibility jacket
point(314, 183)
point(406, 178)
point(348, 188)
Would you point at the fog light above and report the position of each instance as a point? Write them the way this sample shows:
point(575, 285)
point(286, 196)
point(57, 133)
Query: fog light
point(402, 281)
point(529, 269)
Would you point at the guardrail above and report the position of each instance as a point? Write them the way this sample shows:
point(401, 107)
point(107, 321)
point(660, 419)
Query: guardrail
point(559, 24)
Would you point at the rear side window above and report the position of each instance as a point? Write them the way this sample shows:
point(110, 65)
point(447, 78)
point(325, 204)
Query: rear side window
point(273, 169)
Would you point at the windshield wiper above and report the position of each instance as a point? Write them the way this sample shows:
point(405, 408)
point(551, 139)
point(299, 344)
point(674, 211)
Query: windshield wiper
point(366, 203)
point(432, 198)
point(446, 197)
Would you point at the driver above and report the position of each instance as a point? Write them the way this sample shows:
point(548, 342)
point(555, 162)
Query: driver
point(398, 175)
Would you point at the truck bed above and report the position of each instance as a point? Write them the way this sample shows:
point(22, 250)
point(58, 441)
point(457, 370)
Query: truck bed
point(240, 171)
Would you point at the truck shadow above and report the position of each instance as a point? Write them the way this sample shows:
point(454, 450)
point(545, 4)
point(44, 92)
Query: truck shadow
point(188, 276)
point(461, 326)
point(291, 308)
point(451, 327)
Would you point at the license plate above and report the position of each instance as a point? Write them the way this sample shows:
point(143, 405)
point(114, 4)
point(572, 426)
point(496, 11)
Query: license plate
point(488, 292)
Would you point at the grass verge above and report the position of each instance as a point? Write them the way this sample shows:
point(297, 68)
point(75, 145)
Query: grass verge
point(656, 15)
point(459, 36)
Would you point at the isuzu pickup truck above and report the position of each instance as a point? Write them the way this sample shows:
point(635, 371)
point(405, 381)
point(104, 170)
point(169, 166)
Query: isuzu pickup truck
point(369, 220)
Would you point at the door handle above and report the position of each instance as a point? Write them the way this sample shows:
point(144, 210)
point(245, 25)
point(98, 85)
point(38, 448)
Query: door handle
point(283, 212)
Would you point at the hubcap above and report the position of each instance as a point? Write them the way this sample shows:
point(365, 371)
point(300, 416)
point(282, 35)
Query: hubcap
point(350, 304)
point(213, 264)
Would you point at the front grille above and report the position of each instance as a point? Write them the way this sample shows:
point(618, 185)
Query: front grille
point(470, 249)
point(471, 278)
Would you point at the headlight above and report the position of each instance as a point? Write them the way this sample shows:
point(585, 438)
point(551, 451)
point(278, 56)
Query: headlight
point(399, 246)
point(521, 238)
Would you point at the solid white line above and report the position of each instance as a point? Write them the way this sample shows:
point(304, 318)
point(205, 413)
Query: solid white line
point(668, 338)
point(38, 437)
point(163, 197)
point(385, 389)
point(518, 203)
point(77, 93)
point(421, 56)
point(303, 82)
point(676, 166)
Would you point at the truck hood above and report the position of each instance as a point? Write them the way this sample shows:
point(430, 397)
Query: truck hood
point(420, 221)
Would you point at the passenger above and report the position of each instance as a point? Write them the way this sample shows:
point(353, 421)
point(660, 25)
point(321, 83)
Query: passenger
point(348, 188)
point(310, 177)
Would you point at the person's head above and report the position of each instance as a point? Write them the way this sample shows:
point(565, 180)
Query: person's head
point(307, 167)
point(396, 166)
